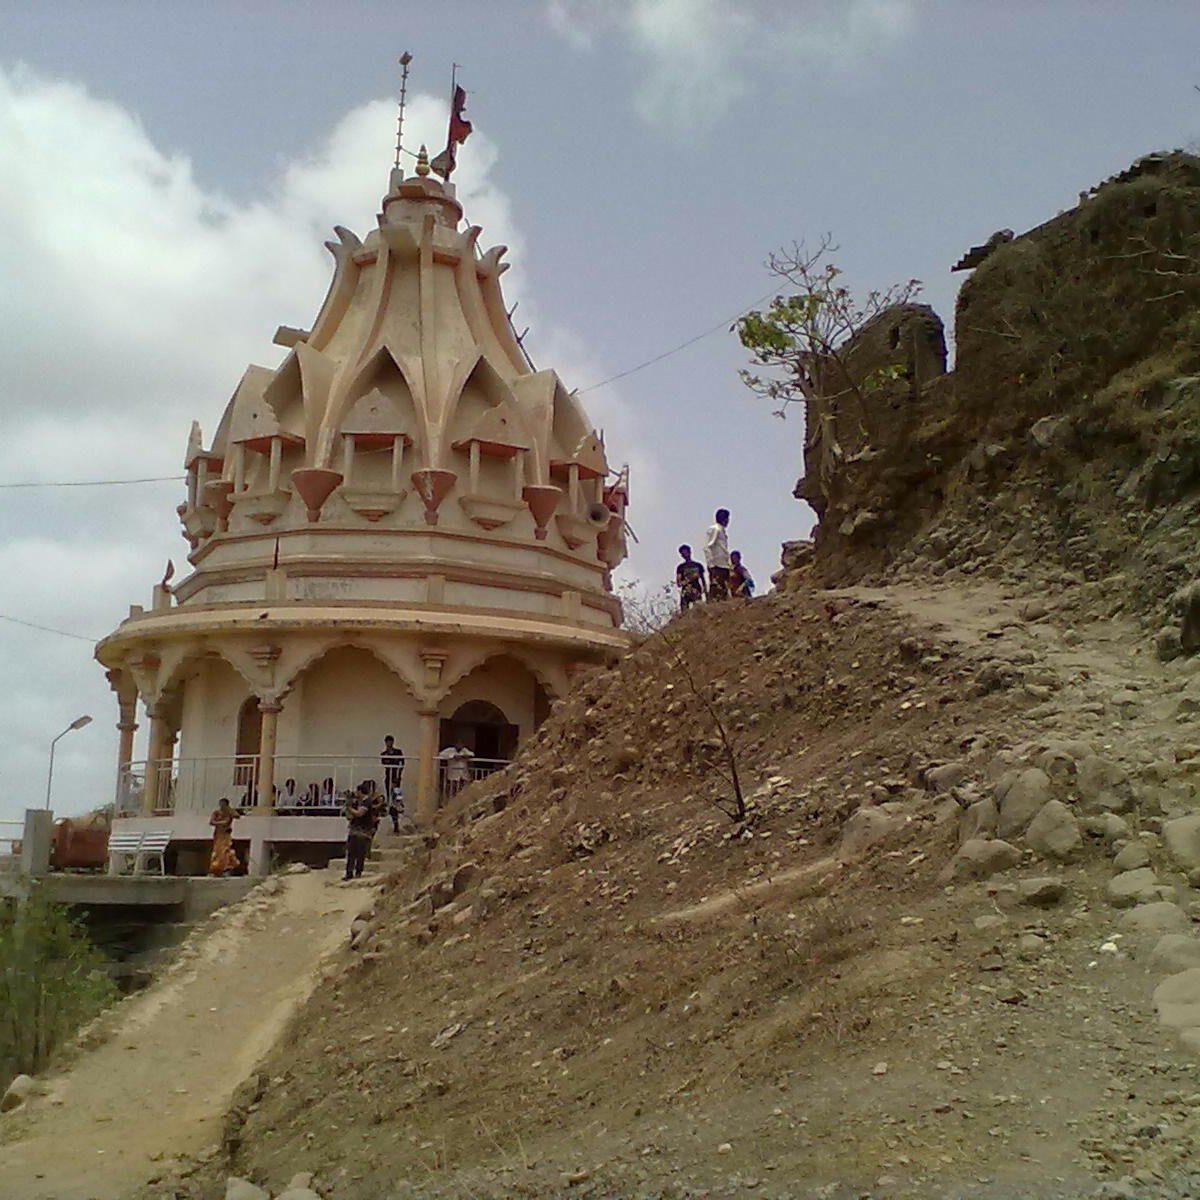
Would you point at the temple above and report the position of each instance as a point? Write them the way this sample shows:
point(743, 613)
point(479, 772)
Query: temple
point(404, 529)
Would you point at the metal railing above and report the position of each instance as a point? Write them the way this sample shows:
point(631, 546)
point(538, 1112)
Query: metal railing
point(452, 778)
point(304, 783)
point(11, 834)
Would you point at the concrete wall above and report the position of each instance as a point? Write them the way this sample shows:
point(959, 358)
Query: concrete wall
point(345, 704)
point(212, 696)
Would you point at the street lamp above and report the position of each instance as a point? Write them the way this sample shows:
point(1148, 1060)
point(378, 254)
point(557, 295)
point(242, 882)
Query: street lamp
point(78, 723)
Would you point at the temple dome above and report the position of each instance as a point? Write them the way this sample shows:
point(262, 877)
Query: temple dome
point(405, 483)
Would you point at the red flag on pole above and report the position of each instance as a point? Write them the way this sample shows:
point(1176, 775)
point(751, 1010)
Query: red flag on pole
point(460, 130)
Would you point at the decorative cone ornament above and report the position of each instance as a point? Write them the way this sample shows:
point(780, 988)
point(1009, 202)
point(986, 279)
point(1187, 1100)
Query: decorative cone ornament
point(542, 499)
point(315, 485)
point(433, 485)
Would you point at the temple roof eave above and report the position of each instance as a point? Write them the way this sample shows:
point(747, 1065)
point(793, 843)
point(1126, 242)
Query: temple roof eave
point(266, 621)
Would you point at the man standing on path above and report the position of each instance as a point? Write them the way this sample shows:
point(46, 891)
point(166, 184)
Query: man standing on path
point(360, 830)
point(716, 555)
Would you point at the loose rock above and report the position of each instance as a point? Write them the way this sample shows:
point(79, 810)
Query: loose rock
point(1021, 801)
point(1135, 887)
point(1176, 952)
point(1054, 832)
point(1159, 917)
point(979, 858)
point(1043, 892)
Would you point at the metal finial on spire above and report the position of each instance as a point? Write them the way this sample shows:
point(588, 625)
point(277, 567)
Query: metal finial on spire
point(405, 59)
point(422, 161)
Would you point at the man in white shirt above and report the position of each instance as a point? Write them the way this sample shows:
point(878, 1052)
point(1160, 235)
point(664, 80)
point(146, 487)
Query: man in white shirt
point(716, 556)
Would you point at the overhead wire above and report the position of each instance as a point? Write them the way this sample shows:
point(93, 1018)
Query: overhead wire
point(676, 349)
point(37, 483)
point(47, 629)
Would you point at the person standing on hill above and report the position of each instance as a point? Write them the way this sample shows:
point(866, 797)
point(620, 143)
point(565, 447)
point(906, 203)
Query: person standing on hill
point(741, 585)
point(716, 555)
point(689, 579)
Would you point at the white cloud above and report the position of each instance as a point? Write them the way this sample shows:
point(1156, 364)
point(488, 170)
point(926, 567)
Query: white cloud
point(133, 297)
point(697, 54)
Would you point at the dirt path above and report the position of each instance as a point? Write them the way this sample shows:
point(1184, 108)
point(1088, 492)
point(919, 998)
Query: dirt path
point(158, 1086)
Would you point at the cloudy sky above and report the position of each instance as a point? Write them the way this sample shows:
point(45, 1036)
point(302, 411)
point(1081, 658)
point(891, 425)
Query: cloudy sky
point(169, 171)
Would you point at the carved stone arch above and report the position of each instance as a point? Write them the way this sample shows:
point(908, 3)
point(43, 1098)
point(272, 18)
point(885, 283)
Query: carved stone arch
point(294, 670)
point(175, 658)
point(383, 360)
point(255, 668)
point(553, 679)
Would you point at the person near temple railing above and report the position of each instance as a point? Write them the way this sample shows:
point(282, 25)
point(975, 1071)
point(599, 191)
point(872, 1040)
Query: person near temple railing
point(328, 796)
point(224, 859)
point(456, 769)
point(288, 799)
point(391, 758)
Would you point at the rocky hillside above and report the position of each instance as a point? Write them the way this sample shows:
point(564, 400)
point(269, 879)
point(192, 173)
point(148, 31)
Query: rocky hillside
point(923, 964)
point(949, 947)
point(1067, 436)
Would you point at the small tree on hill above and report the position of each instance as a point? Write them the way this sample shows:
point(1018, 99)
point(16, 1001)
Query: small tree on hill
point(732, 803)
point(802, 338)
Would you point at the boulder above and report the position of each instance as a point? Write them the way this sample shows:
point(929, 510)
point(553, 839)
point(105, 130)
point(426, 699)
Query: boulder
point(979, 821)
point(1176, 952)
point(943, 778)
point(979, 858)
point(1058, 762)
point(1159, 917)
point(1103, 786)
point(1134, 887)
point(1182, 840)
point(1107, 826)
point(1167, 644)
point(1043, 892)
point(1186, 603)
point(1177, 1000)
point(23, 1088)
point(1132, 856)
point(866, 828)
point(299, 1193)
point(1021, 801)
point(243, 1189)
point(1054, 832)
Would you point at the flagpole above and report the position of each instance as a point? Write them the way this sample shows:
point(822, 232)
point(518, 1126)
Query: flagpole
point(405, 59)
point(452, 156)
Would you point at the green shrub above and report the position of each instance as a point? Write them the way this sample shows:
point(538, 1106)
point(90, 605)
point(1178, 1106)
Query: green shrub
point(52, 980)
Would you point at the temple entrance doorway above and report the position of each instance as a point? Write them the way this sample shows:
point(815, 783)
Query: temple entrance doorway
point(482, 728)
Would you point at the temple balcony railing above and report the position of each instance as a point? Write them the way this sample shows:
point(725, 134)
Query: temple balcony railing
point(321, 781)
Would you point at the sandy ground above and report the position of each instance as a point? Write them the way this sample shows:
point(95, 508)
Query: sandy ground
point(172, 1055)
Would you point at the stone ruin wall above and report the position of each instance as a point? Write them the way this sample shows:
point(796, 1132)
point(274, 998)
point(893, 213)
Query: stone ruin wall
point(1069, 430)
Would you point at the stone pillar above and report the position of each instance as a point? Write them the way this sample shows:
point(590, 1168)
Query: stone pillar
point(127, 719)
point(270, 710)
point(155, 751)
point(427, 768)
point(35, 842)
point(259, 863)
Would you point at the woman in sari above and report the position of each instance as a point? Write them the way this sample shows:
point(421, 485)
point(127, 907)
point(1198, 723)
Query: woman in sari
point(224, 859)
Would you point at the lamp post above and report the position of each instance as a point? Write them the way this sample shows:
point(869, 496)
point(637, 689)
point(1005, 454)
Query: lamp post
point(78, 723)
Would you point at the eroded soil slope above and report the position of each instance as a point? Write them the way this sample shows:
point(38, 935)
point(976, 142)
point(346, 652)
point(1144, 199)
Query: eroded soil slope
point(609, 988)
